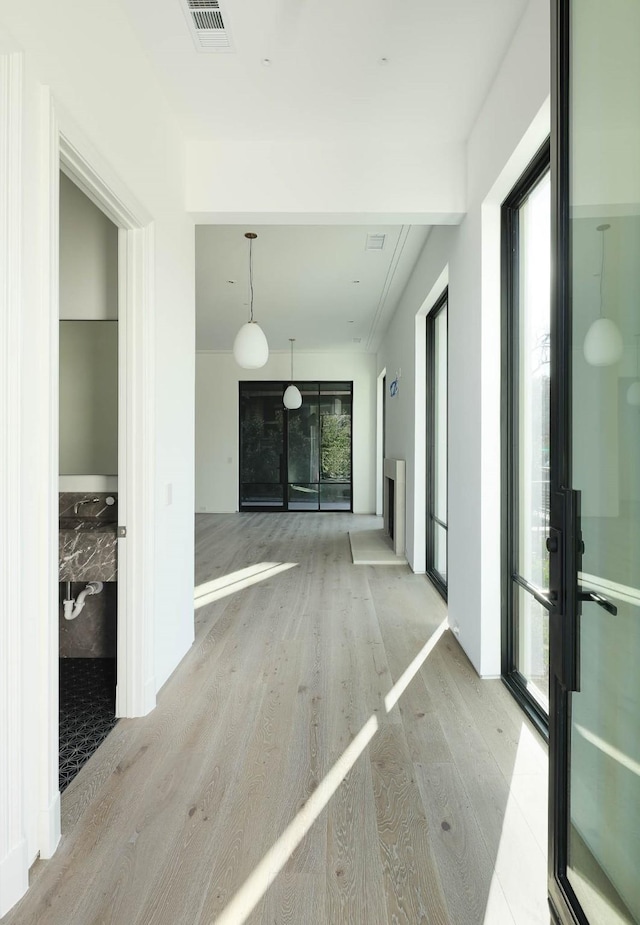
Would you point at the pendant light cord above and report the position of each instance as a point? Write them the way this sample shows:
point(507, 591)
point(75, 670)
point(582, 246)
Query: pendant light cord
point(602, 229)
point(291, 339)
point(601, 272)
point(251, 280)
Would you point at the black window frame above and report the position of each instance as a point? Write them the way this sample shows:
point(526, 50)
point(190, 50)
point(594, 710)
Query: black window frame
point(434, 576)
point(515, 681)
point(303, 384)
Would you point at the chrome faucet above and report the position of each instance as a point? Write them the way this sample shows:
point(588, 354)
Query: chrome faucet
point(86, 501)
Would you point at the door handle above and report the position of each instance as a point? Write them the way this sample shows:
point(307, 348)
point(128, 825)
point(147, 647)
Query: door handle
point(598, 599)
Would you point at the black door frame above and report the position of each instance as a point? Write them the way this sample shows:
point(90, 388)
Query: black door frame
point(564, 533)
point(284, 474)
point(435, 576)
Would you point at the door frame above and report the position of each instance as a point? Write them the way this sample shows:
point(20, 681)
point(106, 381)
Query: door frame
point(67, 150)
point(564, 904)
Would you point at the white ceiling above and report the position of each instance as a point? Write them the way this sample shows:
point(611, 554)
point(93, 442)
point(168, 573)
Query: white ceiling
point(304, 283)
point(326, 82)
point(326, 78)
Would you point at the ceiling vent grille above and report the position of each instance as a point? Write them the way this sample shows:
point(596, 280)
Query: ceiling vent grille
point(209, 30)
point(375, 242)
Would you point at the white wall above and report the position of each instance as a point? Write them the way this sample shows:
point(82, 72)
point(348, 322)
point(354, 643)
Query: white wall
point(88, 258)
point(217, 377)
point(511, 126)
point(89, 292)
point(112, 110)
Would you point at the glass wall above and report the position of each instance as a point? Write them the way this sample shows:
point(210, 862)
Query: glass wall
point(296, 460)
point(604, 199)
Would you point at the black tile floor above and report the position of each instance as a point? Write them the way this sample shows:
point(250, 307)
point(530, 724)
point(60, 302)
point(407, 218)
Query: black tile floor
point(87, 707)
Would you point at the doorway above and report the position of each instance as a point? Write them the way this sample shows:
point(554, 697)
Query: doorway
point(594, 535)
point(89, 436)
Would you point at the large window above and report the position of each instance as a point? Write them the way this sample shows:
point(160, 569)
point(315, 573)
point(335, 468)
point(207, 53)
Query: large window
point(437, 504)
point(526, 224)
point(296, 460)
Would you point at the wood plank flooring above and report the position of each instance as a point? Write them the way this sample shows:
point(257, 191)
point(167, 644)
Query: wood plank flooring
point(276, 783)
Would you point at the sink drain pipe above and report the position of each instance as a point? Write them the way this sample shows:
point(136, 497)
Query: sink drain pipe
point(74, 607)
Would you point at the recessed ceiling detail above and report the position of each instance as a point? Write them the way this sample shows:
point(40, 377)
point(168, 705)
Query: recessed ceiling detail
point(304, 283)
point(375, 242)
point(207, 25)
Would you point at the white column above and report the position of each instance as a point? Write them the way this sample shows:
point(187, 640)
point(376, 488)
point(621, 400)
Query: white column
point(14, 871)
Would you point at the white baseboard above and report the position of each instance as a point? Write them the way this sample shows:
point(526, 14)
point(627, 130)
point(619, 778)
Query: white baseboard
point(14, 877)
point(49, 828)
point(150, 695)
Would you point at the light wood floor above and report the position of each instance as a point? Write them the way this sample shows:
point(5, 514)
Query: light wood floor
point(274, 784)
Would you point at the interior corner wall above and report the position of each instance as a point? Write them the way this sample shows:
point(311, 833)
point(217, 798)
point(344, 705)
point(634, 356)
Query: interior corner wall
point(217, 423)
point(115, 115)
point(512, 124)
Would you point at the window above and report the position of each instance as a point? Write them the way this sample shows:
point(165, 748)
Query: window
point(526, 249)
point(298, 460)
point(437, 505)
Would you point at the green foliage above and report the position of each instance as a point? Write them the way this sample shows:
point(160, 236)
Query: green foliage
point(336, 447)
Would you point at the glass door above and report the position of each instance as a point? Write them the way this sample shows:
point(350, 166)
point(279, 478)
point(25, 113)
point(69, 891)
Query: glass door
point(262, 436)
point(300, 459)
point(437, 408)
point(594, 539)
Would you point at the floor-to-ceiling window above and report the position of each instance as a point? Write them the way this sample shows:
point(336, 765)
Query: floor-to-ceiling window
point(437, 506)
point(526, 252)
point(296, 460)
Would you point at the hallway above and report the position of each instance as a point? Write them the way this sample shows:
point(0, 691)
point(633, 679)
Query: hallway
point(325, 754)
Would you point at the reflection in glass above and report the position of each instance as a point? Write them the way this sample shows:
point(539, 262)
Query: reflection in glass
point(533, 645)
point(440, 550)
point(533, 371)
point(440, 427)
point(261, 441)
point(604, 782)
point(303, 497)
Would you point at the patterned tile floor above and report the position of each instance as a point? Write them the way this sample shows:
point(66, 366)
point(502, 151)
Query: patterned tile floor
point(87, 704)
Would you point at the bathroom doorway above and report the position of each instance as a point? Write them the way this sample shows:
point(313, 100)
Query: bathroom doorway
point(89, 427)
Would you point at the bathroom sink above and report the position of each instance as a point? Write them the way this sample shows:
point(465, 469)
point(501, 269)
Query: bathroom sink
point(87, 549)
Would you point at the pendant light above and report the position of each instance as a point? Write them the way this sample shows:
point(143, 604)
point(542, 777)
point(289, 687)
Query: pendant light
point(292, 398)
point(633, 392)
point(603, 344)
point(250, 348)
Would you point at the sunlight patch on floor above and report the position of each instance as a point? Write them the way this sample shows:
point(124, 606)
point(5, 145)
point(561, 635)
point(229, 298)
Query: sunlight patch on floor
point(256, 885)
point(236, 581)
point(520, 867)
point(259, 881)
point(411, 671)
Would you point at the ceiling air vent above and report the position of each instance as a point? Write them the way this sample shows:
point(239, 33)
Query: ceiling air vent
point(207, 24)
point(375, 242)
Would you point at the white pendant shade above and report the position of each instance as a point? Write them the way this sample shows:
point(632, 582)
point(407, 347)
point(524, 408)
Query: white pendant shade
point(292, 398)
point(603, 343)
point(250, 348)
point(633, 394)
